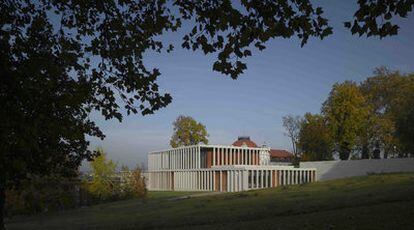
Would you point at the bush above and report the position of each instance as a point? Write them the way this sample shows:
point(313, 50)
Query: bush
point(43, 194)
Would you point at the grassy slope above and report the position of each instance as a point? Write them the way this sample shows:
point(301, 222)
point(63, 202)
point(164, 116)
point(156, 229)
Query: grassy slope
point(376, 201)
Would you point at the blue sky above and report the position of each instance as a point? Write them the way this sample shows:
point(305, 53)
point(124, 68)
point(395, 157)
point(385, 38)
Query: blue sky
point(283, 79)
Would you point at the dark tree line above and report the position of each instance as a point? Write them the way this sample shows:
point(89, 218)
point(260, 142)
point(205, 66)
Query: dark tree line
point(368, 118)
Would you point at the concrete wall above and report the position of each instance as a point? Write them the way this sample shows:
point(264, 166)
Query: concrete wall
point(328, 170)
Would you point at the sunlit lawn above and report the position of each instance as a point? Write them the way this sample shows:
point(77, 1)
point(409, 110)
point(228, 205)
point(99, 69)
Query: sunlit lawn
point(371, 202)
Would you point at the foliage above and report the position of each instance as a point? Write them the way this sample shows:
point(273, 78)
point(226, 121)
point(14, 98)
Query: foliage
point(135, 183)
point(405, 116)
point(315, 140)
point(292, 126)
point(346, 111)
point(188, 131)
point(42, 194)
point(102, 185)
point(388, 93)
point(375, 17)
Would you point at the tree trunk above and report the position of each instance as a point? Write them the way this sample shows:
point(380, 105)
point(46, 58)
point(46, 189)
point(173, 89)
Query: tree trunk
point(344, 152)
point(365, 152)
point(2, 202)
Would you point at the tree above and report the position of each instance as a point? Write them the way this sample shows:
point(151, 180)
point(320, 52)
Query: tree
point(102, 185)
point(292, 126)
point(388, 93)
point(137, 183)
point(61, 60)
point(345, 111)
point(315, 139)
point(188, 131)
point(404, 115)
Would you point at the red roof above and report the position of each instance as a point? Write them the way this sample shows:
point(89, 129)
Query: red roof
point(279, 153)
point(244, 141)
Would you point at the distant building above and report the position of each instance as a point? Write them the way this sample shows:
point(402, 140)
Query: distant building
point(275, 155)
point(238, 167)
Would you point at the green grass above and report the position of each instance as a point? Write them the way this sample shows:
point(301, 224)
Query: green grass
point(371, 202)
point(169, 194)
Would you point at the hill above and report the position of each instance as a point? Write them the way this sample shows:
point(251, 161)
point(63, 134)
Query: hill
point(369, 202)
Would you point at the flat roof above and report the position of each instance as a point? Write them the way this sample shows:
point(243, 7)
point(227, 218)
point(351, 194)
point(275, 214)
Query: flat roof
point(211, 146)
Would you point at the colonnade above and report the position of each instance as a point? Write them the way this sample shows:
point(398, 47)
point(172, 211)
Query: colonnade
point(178, 158)
point(228, 180)
point(235, 156)
point(197, 156)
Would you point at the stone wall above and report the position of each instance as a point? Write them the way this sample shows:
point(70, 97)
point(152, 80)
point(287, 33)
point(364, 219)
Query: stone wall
point(328, 170)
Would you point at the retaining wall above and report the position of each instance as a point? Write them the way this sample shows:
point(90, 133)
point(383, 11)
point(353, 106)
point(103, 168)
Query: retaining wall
point(328, 170)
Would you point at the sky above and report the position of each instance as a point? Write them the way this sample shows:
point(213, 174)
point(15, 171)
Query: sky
point(283, 79)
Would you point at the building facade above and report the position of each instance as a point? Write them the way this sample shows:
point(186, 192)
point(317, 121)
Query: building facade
point(219, 168)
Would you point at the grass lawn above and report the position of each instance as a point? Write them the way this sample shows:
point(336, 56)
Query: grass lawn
point(370, 202)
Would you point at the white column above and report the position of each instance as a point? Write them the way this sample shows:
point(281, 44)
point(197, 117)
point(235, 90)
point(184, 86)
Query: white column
point(194, 158)
point(236, 181)
point(211, 181)
point(271, 178)
point(198, 180)
point(203, 179)
point(241, 180)
point(187, 157)
point(230, 156)
point(287, 177)
point(210, 175)
point(262, 179)
point(208, 180)
point(296, 176)
point(244, 180)
point(171, 159)
point(243, 157)
point(177, 160)
point(183, 159)
point(174, 163)
point(233, 181)
point(195, 180)
point(221, 181)
point(182, 180)
point(190, 156)
point(194, 164)
point(197, 157)
point(290, 177)
point(213, 175)
point(230, 173)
